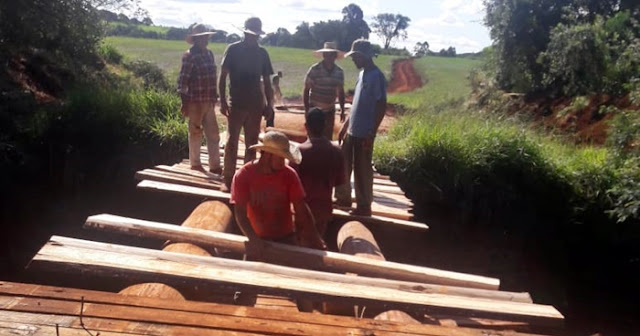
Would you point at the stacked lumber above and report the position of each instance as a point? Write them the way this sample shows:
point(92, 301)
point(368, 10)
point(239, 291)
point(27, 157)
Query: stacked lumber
point(390, 206)
point(42, 310)
point(79, 257)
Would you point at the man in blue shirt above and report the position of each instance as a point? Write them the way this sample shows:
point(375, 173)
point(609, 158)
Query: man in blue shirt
point(359, 130)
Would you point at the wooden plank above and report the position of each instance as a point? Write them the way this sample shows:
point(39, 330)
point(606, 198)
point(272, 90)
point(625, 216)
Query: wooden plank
point(38, 291)
point(67, 255)
point(105, 326)
point(224, 197)
point(315, 259)
point(160, 176)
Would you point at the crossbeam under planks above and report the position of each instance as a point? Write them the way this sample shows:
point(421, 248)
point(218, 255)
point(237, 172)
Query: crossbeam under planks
point(66, 255)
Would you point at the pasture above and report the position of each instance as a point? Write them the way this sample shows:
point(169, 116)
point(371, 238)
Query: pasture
point(293, 62)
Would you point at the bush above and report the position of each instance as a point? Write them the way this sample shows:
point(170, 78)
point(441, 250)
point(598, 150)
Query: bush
point(110, 54)
point(150, 73)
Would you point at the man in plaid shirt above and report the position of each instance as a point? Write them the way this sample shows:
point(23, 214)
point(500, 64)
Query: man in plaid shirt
point(198, 91)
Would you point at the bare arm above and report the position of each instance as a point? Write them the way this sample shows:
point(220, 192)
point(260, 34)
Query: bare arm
point(341, 101)
point(381, 109)
point(307, 226)
point(268, 92)
point(222, 87)
point(240, 212)
point(305, 97)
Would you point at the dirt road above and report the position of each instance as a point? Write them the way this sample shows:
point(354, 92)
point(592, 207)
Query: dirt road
point(404, 79)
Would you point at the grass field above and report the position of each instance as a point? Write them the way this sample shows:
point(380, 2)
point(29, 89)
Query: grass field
point(444, 79)
point(294, 63)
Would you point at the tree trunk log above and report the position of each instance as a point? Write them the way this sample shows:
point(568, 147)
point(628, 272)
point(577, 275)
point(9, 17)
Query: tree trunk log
point(211, 215)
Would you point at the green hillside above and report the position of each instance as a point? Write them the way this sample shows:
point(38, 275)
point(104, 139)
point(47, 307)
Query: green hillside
point(293, 62)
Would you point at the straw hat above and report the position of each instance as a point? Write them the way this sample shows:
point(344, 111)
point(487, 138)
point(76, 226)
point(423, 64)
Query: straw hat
point(198, 30)
point(362, 47)
point(253, 26)
point(329, 47)
point(278, 144)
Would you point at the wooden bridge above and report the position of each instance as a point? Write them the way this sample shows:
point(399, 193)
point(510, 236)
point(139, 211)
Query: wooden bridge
point(199, 284)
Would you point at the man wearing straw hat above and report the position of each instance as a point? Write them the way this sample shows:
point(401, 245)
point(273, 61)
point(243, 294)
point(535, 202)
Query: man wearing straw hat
point(199, 94)
point(248, 67)
point(359, 130)
point(323, 83)
point(263, 192)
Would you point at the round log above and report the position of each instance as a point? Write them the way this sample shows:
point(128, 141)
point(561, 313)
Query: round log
point(355, 239)
point(396, 316)
point(210, 215)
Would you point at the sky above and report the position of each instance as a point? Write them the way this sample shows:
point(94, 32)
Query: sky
point(456, 23)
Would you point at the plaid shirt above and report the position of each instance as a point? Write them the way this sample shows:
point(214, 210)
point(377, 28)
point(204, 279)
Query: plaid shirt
point(198, 80)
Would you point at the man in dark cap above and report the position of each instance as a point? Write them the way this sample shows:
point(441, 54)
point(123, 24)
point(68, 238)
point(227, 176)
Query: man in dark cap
point(248, 67)
point(359, 130)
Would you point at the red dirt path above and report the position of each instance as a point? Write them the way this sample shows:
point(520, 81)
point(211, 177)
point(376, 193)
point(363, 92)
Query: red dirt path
point(404, 79)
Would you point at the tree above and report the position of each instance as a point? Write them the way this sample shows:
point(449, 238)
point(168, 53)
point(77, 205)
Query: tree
point(219, 37)
point(521, 30)
point(421, 49)
point(356, 26)
point(325, 31)
point(232, 38)
point(390, 26)
point(280, 38)
point(302, 37)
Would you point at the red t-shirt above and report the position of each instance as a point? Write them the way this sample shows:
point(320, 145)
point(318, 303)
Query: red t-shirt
point(268, 199)
point(321, 169)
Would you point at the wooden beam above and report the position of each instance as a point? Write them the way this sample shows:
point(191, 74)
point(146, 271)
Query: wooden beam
point(224, 197)
point(90, 296)
point(313, 259)
point(65, 255)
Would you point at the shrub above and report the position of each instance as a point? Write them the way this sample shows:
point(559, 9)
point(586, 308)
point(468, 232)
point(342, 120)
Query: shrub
point(110, 54)
point(150, 73)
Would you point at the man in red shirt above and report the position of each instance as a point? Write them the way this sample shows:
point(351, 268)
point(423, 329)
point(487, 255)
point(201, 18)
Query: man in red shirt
point(263, 192)
point(322, 168)
point(198, 90)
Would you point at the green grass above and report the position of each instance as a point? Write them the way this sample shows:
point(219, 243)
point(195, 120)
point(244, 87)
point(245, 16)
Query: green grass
point(444, 79)
point(485, 163)
point(293, 62)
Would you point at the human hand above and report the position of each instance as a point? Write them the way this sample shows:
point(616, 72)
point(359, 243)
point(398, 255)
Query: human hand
point(224, 107)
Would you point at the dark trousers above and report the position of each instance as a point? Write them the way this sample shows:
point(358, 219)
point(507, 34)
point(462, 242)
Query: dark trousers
point(357, 160)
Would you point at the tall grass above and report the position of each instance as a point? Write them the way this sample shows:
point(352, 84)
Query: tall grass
point(488, 164)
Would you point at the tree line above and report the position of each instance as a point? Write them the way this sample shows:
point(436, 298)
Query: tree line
point(389, 27)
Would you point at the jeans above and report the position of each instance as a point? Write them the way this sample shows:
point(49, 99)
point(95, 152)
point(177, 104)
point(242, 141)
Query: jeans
point(357, 159)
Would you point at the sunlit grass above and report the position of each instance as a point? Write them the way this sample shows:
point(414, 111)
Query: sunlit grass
point(293, 62)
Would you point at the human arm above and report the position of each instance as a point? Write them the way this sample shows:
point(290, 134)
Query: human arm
point(343, 130)
point(341, 101)
point(308, 233)
point(183, 82)
point(305, 96)
point(240, 212)
point(222, 89)
point(255, 245)
point(268, 92)
point(380, 110)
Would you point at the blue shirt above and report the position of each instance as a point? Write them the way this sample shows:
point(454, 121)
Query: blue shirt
point(370, 88)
